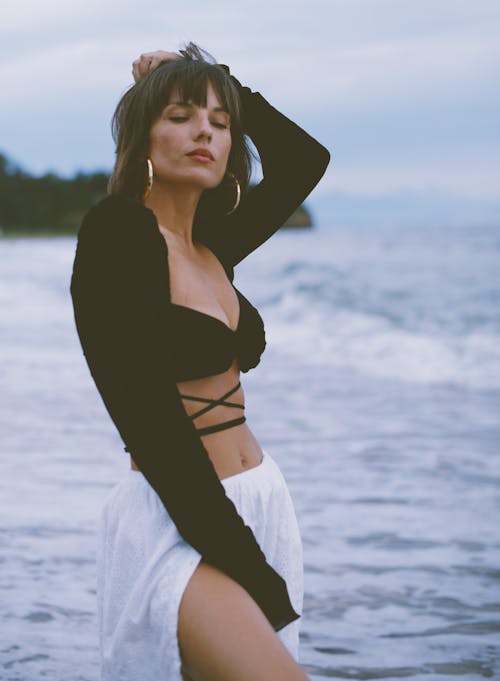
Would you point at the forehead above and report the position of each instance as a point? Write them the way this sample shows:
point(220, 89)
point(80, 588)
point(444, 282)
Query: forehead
point(208, 98)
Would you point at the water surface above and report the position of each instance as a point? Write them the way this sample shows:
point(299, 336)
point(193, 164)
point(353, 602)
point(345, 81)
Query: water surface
point(379, 396)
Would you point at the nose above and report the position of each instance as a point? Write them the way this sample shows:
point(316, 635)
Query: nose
point(203, 129)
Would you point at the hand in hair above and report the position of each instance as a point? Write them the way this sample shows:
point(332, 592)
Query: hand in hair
point(148, 61)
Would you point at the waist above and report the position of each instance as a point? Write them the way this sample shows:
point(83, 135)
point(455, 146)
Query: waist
point(231, 451)
point(216, 405)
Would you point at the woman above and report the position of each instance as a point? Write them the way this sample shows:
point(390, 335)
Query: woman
point(200, 560)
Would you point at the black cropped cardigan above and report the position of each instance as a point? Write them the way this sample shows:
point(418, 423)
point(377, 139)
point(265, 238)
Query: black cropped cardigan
point(121, 298)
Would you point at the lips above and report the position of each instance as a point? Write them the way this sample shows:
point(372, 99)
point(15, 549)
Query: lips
point(204, 153)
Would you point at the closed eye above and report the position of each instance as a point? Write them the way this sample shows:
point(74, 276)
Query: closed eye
point(181, 119)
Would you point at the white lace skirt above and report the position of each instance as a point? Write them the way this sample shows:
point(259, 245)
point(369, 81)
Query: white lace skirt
point(144, 566)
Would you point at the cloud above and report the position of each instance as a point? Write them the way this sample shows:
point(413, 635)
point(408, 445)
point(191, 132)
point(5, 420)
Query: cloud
point(473, 178)
point(361, 54)
point(404, 93)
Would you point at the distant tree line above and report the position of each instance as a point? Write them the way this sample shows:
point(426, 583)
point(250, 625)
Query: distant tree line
point(51, 204)
point(48, 203)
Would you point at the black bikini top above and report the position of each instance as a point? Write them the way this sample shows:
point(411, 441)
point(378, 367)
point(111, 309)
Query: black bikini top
point(202, 345)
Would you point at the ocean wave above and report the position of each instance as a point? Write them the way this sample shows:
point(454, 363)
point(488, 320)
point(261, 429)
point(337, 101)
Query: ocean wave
point(381, 343)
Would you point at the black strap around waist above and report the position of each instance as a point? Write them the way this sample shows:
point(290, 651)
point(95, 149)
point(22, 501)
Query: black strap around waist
point(211, 404)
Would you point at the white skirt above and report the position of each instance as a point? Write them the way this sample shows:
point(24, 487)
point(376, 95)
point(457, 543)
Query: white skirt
point(144, 565)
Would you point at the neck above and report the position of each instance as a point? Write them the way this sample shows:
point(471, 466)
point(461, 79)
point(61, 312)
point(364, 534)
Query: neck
point(174, 208)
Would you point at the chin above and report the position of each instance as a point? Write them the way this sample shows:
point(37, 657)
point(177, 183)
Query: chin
point(198, 180)
point(204, 180)
point(207, 182)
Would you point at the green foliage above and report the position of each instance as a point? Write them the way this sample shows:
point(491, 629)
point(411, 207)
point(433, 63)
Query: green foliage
point(53, 205)
point(47, 204)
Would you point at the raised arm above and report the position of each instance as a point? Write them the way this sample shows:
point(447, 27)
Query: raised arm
point(120, 292)
point(292, 163)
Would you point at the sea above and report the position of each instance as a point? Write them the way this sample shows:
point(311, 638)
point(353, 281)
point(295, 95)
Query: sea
point(379, 396)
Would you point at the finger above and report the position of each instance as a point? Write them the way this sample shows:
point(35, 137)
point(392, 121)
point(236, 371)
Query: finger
point(164, 56)
point(144, 64)
point(135, 70)
point(157, 60)
point(157, 56)
point(148, 61)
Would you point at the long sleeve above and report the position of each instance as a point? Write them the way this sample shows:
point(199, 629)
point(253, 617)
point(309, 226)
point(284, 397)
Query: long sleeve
point(120, 292)
point(293, 162)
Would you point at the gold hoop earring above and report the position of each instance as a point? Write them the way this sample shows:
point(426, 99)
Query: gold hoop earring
point(238, 193)
point(149, 184)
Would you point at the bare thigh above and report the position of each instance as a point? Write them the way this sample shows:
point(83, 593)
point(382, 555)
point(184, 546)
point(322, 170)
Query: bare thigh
point(225, 636)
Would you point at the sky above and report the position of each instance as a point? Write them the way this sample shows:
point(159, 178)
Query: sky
point(405, 94)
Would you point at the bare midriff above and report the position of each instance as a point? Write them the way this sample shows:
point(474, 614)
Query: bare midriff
point(235, 449)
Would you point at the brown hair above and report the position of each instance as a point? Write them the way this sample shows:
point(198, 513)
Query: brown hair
point(143, 103)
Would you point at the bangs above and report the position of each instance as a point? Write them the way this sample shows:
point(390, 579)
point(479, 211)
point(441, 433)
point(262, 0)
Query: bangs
point(142, 104)
point(190, 81)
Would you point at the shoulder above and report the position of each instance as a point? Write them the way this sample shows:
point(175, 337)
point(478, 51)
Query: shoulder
point(117, 217)
point(120, 236)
